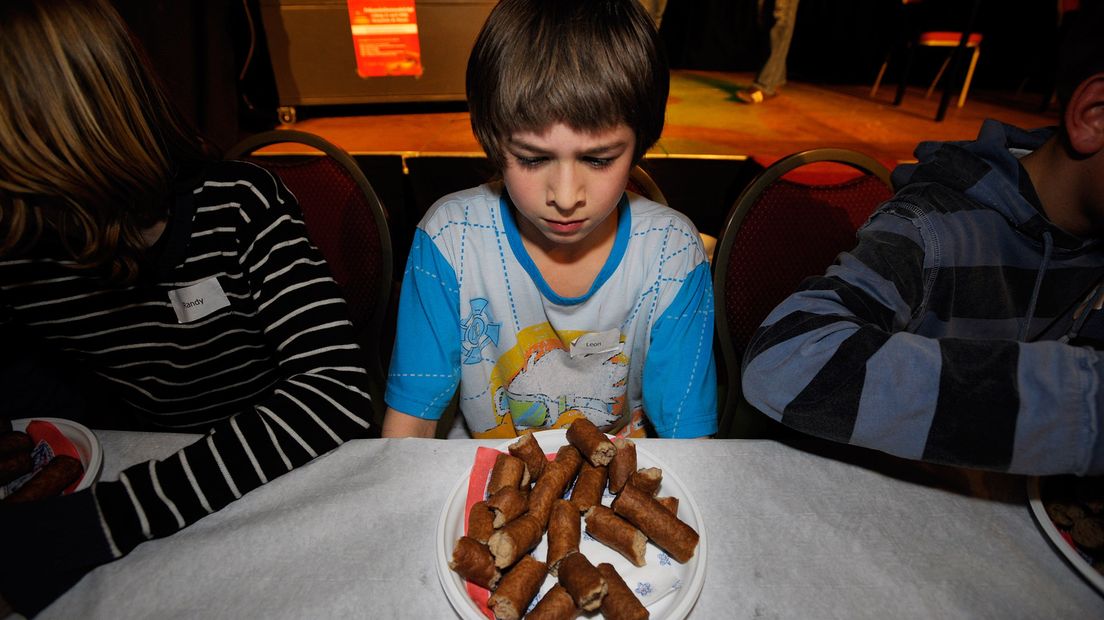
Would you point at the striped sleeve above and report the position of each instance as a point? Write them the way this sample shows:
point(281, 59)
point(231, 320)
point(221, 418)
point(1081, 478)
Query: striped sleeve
point(318, 401)
point(839, 359)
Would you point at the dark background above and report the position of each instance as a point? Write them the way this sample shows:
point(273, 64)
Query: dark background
point(221, 76)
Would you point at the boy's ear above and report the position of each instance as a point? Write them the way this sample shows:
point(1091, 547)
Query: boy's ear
point(1084, 116)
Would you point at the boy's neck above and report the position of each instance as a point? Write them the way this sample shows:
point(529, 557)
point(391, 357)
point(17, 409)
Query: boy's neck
point(1057, 180)
point(570, 270)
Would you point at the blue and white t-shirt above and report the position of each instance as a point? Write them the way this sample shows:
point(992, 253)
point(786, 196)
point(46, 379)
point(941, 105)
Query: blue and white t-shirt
point(474, 309)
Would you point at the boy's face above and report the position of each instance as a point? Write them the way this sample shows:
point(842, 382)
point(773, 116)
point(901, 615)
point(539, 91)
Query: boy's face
point(566, 183)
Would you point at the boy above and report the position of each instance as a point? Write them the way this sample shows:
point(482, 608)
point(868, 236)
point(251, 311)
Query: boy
point(554, 294)
point(964, 327)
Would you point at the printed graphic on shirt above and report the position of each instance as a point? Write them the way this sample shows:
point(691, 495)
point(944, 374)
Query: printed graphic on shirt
point(538, 385)
point(479, 330)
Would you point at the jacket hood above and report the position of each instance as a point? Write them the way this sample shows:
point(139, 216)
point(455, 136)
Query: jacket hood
point(986, 170)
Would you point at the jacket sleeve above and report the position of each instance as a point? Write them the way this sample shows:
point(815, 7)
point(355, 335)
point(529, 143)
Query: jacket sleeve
point(318, 399)
point(837, 359)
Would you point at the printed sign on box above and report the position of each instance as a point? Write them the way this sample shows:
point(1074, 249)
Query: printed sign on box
point(385, 37)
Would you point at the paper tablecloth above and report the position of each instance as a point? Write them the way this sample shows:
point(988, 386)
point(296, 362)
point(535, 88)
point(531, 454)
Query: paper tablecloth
point(795, 531)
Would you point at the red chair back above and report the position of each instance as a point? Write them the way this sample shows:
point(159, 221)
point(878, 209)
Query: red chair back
point(346, 222)
point(780, 232)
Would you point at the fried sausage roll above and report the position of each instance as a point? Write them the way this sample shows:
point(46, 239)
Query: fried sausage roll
point(51, 480)
point(507, 504)
point(557, 476)
point(647, 480)
point(473, 561)
point(564, 532)
point(670, 503)
point(617, 534)
point(666, 530)
point(514, 540)
point(582, 581)
point(517, 589)
point(588, 487)
point(619, 603)
point(529, 451)
point(481, 522)
point(623, 464)
point(556, 604)
point(591, 442)
point(508, 471)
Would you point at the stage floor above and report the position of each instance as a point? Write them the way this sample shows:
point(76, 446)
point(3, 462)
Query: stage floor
point(704, 118)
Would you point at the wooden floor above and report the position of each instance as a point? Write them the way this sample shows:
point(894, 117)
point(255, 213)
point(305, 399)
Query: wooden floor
point(704, 118)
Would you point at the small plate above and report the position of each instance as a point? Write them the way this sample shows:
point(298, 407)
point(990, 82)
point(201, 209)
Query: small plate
point(1038, 510)
point(84, 440)
point(674, 606)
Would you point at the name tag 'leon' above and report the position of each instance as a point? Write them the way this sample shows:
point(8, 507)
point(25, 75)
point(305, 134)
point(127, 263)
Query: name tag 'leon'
point(198, 300)
point(608, 341)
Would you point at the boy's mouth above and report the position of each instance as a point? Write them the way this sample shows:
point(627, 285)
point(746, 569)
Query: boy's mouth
point(565, 228)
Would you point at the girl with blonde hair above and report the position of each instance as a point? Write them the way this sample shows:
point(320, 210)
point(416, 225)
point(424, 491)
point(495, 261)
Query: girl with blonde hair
point(184, 285)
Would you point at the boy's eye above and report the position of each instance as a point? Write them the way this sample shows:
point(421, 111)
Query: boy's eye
point(530, 162)
point(598, 162)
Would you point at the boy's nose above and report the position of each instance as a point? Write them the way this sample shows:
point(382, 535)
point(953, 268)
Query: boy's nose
point(565, 189)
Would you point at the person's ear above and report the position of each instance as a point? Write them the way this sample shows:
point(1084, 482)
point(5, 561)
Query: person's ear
point(1084, 116)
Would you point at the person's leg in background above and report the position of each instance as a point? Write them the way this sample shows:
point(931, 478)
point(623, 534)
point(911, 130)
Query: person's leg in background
point(772, 75)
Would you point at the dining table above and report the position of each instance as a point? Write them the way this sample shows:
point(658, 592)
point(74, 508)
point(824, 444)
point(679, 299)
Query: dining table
point(796, 528)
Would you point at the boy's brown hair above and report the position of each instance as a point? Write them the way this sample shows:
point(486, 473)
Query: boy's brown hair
point(589, 64)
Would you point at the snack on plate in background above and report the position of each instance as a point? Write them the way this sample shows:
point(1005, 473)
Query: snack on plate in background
point(15, 455)
point(37, 464)
point(1076, 507)
point(590, 442)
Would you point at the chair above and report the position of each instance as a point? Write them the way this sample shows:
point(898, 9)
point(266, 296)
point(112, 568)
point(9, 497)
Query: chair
point(910, 39)
point(347, 222)
point(780, 231)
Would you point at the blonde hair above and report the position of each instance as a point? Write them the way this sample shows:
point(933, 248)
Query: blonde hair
point(89, 144)
point(589, 64)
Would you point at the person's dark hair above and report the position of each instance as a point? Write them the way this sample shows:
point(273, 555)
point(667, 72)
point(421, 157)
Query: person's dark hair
point(589, 64)
point(1081, 54)
point(89, 144)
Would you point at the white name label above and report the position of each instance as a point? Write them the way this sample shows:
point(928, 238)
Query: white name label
point(197, 301)
point(608, 341)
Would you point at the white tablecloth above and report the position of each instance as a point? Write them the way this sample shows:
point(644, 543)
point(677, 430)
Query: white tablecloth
point(793, 532)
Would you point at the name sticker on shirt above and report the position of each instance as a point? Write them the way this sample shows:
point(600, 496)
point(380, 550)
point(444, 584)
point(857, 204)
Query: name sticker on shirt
point(198, 300)
point(608, 341)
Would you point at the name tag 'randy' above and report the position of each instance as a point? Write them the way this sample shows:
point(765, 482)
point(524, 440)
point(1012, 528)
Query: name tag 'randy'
point(608, 341)
point(198, 300)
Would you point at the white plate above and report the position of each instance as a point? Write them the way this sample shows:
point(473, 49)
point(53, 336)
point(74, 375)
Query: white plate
point(84, 440)
point(674, 606)
point(1038, 510)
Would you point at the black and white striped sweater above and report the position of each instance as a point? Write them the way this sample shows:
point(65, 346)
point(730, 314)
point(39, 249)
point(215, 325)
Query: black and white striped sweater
point(273, 377)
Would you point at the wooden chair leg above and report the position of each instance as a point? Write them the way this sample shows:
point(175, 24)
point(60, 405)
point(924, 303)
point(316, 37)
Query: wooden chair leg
point(878, 80)
point(969, 77)
point(938, 75)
